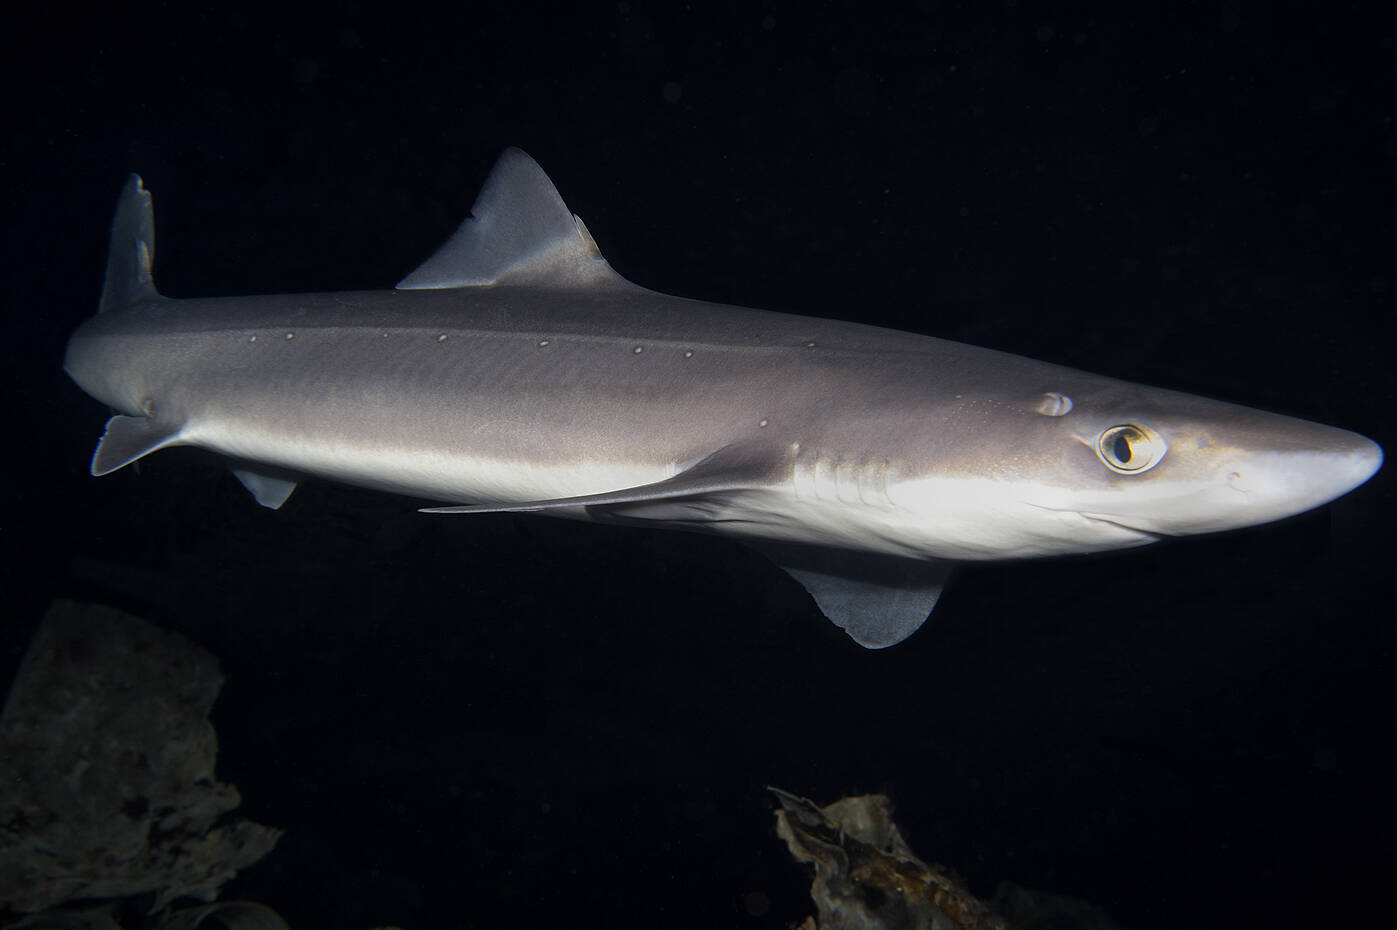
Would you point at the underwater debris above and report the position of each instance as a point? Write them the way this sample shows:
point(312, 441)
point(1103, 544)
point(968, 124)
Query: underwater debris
point(107, 786)
point(867, 878)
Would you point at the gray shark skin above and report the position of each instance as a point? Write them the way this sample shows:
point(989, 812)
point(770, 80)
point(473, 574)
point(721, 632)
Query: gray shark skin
point(515, 371)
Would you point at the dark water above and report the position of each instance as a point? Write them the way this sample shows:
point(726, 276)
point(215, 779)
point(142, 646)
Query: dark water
point(476, 721)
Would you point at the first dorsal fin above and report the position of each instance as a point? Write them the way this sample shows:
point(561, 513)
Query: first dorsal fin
point(519, 232)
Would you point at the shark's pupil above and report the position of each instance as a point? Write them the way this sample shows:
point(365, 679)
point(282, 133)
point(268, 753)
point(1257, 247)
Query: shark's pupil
point(1121, 448)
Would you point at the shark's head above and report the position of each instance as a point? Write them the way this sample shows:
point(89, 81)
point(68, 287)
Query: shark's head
point(1159, 463)
point(1102, 464)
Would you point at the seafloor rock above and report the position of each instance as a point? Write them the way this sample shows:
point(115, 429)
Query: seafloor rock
point(107, 784)
point(867, 878)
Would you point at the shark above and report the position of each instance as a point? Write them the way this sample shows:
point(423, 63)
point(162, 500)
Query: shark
point(516, 371)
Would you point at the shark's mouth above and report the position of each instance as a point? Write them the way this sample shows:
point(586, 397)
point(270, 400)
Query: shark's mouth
point(1130, 535)
point(1145, 536)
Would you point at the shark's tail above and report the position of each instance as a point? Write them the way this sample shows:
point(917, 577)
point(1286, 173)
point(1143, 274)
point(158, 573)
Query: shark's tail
point(132, 250)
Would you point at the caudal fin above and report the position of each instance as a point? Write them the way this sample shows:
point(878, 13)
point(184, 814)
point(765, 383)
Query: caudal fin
point(132, 250)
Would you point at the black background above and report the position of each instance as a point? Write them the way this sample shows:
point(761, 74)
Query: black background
point(487, 720)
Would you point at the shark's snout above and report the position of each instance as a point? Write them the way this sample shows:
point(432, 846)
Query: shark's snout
point(1280, 483)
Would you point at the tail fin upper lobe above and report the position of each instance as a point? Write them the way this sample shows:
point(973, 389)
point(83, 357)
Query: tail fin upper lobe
point(132, 250)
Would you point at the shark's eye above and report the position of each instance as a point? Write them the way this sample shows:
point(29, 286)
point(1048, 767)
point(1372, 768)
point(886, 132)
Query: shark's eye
point(1129, 449)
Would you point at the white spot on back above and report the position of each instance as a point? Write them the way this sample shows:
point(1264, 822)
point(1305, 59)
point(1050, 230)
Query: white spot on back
point(543, 343)
point(638, 349)
point(441, 338)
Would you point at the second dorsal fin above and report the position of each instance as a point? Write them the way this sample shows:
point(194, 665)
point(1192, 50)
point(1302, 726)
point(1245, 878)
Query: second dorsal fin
point(519, 232)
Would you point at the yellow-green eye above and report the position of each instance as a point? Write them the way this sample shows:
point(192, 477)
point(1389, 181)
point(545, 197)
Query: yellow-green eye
point(1130, 449)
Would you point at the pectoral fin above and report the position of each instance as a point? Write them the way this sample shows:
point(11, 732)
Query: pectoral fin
point(877, 600)
point(686, 497)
